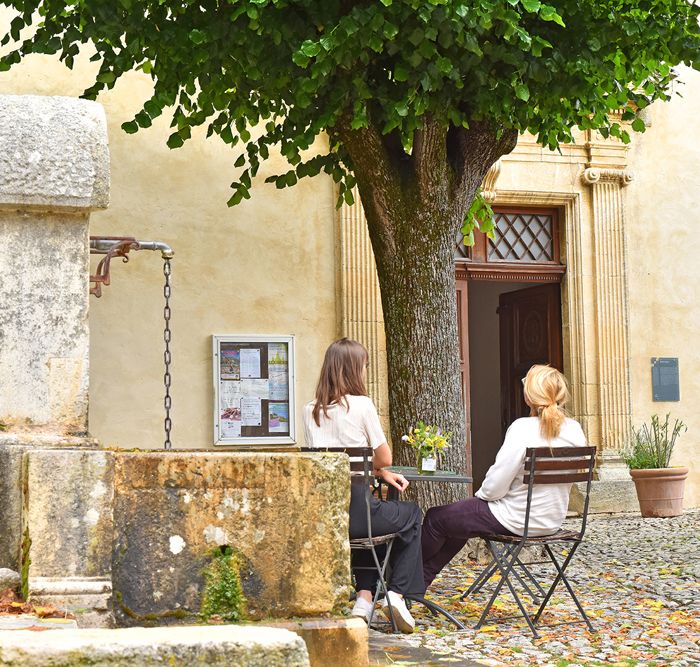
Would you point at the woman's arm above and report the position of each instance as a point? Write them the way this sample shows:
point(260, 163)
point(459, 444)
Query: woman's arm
point(382, 459)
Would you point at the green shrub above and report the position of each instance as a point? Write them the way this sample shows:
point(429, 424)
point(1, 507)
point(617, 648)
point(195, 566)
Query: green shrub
point(223, 594)
point(652, 444)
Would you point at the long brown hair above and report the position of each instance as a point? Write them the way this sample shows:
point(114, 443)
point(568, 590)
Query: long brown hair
point(547, 394)
point(342, 373)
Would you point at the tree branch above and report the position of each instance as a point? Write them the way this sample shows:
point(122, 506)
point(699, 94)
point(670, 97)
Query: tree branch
point(471, 153)
point(430, 160)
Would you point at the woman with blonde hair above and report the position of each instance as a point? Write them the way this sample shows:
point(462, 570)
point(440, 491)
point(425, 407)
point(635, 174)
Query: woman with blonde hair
point(499, 505)
point(342, 415)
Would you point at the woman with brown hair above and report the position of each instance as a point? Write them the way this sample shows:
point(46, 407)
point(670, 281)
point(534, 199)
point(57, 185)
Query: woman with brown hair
point(499, 505)
point(342, 415)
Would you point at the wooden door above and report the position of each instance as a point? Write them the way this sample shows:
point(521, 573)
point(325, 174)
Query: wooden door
point(463, 333)
point(530, 333)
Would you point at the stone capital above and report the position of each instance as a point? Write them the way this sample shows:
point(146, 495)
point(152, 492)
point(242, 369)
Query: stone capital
point(595, 175)
point(53, 153)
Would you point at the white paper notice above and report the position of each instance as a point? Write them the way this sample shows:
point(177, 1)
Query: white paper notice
point(230, 428)
point(251, 411)
point(428, 465)
point(256, 388)
point(250, 363)
point(229, 394)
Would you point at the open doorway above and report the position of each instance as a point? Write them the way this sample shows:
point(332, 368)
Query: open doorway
point(511, 325)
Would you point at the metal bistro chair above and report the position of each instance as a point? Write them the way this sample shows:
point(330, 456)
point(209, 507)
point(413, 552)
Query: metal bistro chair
point(361, 461)
point(543, 465)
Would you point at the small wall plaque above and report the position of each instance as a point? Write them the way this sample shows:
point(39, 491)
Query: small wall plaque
point(665, 384)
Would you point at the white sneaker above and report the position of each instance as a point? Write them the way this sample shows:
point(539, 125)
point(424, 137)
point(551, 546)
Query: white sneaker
point(402, 617)
point(362, 609)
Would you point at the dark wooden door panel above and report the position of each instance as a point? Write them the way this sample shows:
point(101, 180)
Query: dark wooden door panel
point(530, 333)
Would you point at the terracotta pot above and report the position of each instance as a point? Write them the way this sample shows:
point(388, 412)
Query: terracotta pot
point(660, 490)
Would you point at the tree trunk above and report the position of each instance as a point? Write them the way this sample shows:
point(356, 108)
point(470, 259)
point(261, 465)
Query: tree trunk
point(420, 316)
point(415, 205)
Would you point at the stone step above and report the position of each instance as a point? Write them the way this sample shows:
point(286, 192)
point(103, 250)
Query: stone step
point(230, 645)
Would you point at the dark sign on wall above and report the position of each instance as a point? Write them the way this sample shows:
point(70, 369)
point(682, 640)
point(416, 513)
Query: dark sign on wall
point(665, 383)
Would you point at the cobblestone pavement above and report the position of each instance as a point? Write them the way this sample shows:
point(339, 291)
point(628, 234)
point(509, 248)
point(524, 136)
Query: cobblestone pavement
point(638, 579)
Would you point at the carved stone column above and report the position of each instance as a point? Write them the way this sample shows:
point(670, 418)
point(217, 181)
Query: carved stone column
point(611, 329)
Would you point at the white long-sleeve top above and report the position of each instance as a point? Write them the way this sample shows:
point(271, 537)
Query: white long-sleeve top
point(503, 486)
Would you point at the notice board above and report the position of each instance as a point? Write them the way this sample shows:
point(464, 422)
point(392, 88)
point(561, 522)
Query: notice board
point(253, 390)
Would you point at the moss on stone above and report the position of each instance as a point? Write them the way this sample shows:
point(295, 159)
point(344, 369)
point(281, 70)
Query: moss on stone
point(25, 561)
point(223, 594)
point(153, 618)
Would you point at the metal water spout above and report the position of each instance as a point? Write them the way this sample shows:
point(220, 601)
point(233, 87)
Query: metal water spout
point(120, 246)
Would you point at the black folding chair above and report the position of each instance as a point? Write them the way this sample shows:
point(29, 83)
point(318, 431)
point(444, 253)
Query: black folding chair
point(361, 461)
point(543, 465)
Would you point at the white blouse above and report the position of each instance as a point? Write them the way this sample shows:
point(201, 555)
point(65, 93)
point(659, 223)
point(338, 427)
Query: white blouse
point(356, 425)
point(503, 486)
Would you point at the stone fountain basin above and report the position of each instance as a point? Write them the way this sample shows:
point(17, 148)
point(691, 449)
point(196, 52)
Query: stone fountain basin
point(122, 537)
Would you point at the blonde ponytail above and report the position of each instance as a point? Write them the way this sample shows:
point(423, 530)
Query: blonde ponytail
point(547, 394)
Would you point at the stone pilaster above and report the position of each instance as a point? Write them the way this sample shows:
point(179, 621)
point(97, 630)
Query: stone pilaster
point(614, 406)
point(361, 305)
point(54, 170)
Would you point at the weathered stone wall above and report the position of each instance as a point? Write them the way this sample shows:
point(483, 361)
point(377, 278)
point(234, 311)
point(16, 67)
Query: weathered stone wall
point(286, 514)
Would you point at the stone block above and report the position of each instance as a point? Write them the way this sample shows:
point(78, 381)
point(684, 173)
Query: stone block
point(225, 645)
point(68, 521)
point(9, 579)
point(285, 514)
point(606, 497)
point(11, 476)
point(53, 153)
point(337, 642)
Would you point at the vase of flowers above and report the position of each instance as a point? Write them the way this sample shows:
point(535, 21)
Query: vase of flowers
point(428, 442)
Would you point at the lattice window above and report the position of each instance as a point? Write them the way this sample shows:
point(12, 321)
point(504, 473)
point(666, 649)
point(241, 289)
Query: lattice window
point(522, 237)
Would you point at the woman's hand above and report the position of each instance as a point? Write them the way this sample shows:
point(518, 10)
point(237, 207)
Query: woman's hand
point(397, 480)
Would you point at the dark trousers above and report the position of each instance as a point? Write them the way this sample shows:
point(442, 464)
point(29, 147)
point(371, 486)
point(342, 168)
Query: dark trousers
point(446, 530)
point(391, 516)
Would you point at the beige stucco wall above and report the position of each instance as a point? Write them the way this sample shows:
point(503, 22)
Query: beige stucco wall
point(266, 266)
point(663, 236)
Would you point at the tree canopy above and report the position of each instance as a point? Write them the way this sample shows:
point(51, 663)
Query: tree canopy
point(298, 68)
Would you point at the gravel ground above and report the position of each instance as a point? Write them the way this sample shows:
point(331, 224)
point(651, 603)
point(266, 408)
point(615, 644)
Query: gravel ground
point(638, 579)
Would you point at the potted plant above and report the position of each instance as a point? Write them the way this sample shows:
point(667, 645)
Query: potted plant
point(659, 486)
point(428, 442)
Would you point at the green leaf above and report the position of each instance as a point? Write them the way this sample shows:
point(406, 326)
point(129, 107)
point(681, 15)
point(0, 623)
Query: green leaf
point(548, 13)
point(310, 48)
point(400, 73)
point(197, 36)
point(386, 3)
point(531, 6)
point(638, 125)
point(130, 127)
point(175, 140)
point(522, 92)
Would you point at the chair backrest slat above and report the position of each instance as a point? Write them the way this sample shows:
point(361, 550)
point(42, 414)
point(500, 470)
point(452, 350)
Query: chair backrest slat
point(572, 464)
point(556, 452)
point(559, 478)
point(577, 463)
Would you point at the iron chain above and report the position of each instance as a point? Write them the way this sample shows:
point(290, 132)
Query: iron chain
point(167, 336)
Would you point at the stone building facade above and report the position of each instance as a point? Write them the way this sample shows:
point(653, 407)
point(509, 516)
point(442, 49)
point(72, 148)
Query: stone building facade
point(287, 262)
